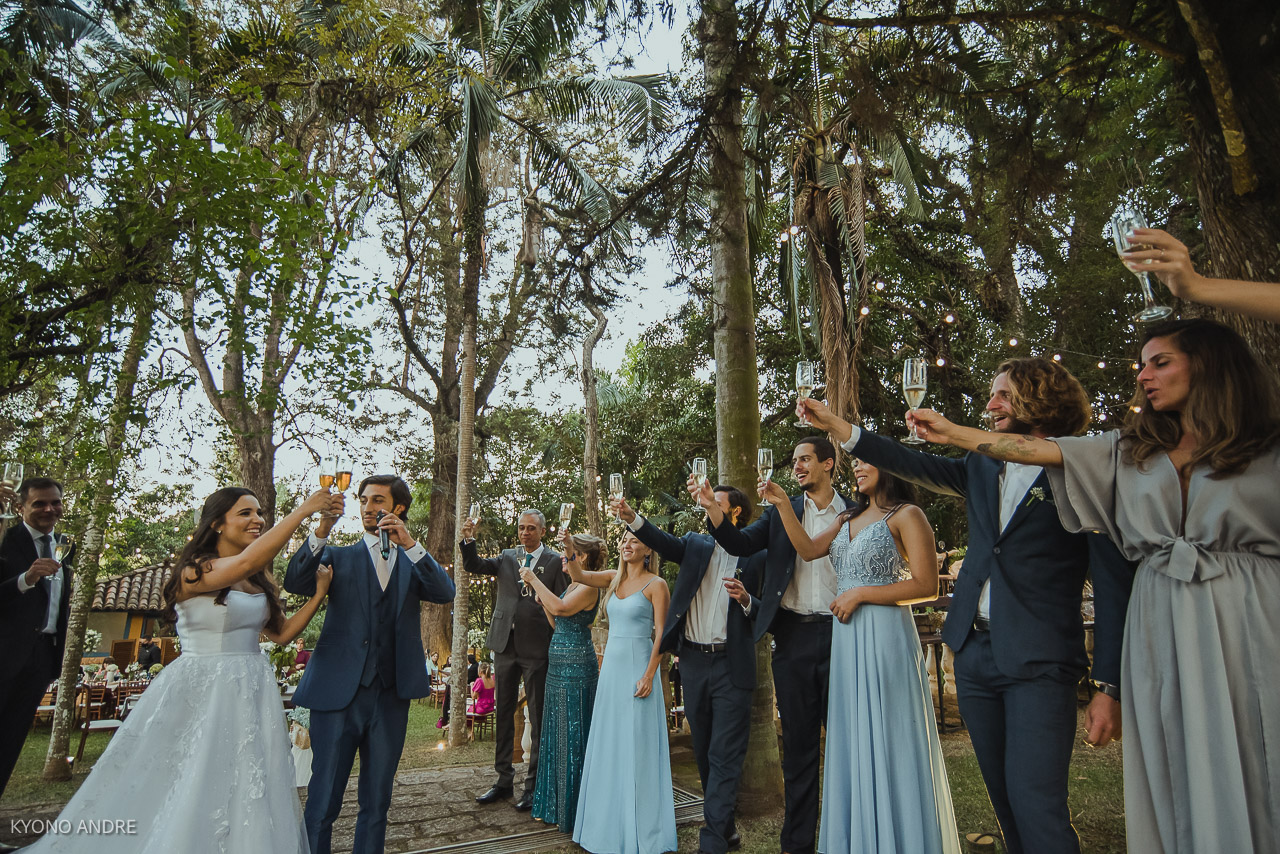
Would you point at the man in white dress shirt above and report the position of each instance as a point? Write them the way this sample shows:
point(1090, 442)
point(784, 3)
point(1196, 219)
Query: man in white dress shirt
point(35, 597)
point(794, 604)
point(713, 636)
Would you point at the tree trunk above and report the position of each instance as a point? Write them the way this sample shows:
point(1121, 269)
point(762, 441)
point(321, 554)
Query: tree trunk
point(56, 766)
point(257, 452)
point(473, 225)
point(437, 620)
point(737, 381)
point(591, 446)
point(1231, 125)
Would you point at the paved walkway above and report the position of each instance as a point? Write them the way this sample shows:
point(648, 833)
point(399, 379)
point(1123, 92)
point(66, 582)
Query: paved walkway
point(432, 810)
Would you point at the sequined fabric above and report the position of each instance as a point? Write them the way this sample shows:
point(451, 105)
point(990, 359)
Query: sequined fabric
point(567, 701)
point(871, 558)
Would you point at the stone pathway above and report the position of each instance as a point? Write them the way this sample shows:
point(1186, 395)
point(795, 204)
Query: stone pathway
point(432, 810)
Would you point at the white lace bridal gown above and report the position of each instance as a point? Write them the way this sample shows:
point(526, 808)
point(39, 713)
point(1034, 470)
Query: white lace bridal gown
point(202, 762)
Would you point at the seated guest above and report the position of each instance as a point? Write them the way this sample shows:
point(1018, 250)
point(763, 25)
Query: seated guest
point(110, 672)
point(482, 690)
point(301, 656)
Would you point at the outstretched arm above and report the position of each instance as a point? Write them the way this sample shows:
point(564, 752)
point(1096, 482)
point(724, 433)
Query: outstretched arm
point(809, 548)
point(1170, 261)
point(1010, 447)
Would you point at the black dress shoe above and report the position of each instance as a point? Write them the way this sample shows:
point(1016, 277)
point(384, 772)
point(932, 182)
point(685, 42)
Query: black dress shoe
point(734, 840)
point(525, 803)
point(497, 793)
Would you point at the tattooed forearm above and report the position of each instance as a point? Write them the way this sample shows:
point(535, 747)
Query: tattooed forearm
point(1011, 448)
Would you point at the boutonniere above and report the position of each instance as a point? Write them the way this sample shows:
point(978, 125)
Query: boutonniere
point(1034, 494)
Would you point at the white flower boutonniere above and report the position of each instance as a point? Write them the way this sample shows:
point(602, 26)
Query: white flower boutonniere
point(1034, 494)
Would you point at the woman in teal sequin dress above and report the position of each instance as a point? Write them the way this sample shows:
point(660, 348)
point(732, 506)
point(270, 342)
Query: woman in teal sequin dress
point(570, 692)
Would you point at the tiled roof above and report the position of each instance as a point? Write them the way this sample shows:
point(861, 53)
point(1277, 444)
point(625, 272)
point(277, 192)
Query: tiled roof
point(140, 590)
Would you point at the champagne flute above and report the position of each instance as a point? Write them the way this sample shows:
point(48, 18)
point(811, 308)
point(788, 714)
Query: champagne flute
point(566, 514)
point(473, 513)
point(11, 476)
point(804, 387)
point(764, 468)
point(700, 476)
point(915, 382)
point(328, 467)
point(615, 491)
point(1123, 222)
point(342, 474)
point(63, 547)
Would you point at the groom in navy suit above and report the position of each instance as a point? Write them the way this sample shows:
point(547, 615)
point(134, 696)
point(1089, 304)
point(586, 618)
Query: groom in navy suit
point(1014, 621)
point(367, 665)
point(713, 637)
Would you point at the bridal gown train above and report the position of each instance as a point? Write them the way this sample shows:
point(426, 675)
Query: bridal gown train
point(202, 762)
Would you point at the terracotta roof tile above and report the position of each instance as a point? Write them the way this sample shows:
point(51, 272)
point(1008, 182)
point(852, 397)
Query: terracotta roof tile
point(140, 590)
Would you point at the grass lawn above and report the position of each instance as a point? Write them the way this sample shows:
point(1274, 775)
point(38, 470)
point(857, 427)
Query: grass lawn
point(1096, 796)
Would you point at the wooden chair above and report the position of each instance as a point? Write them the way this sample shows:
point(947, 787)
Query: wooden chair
point(88, 726)
point(126, 695)
point(480, 724)
point(90, 702)
point(46, 707)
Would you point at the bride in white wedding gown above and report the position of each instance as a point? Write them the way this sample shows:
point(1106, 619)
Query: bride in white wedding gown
point(202, 763)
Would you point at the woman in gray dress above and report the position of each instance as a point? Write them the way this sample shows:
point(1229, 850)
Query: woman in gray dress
point(1188, 487)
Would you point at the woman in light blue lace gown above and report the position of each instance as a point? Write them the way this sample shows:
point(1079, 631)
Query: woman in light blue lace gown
point(202, 763)
point(885, 785)
point(570, 693)
point(626, 805)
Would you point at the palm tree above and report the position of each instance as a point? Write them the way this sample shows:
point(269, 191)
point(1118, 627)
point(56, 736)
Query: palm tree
point(500, 82)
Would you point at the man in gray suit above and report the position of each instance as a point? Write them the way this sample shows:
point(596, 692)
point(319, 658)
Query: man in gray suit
point(519, 636)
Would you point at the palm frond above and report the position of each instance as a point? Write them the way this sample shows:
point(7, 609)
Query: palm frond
point(563, 175)
point(642, 102)
point(480, 115)
point(531, 34)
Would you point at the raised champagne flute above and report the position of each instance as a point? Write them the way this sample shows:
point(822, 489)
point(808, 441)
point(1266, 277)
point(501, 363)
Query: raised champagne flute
point(473, 513)
point(615, 491)
point(915, 382)
point(342, 474)
point(62, 548)
point(328, 469)
point(764, 468)
point(805, 372)
point(566, 514)
point(10, 476)
point(700, 477)
point(1123, 222)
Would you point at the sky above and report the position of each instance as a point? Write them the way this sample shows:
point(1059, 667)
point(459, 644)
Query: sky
point(646, 302)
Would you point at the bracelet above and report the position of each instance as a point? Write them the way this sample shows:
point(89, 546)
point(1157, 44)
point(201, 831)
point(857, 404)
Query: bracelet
point(1112, 691)
point(571, 558)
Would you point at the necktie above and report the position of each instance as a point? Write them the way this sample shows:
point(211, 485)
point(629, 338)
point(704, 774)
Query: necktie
point(383, 568)
point(44, 547)
point(528, 559)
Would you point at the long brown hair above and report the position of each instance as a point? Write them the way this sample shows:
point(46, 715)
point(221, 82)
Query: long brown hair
point(203, 548)
point(1046, 396)
point(1231, 401)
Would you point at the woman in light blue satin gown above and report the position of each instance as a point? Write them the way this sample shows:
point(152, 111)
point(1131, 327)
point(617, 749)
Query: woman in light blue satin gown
point(625, 805)
point(885, 785)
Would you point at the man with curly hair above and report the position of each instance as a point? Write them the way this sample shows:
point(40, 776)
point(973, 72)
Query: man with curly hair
point(1014, 621)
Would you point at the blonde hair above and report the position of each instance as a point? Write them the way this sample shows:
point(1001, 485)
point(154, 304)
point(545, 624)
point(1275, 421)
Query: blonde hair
point(623, 573)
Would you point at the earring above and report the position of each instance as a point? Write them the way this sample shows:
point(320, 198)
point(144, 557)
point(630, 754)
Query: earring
point(646, 561)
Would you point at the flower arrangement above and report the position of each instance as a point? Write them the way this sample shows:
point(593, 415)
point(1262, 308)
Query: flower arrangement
point(154, 670)
point(92, 640)
point(282, 656)
point(134, 670)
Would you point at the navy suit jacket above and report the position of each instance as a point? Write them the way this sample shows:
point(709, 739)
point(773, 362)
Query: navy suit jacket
point(766, 533)
point(693, 553)
point(333, 674)
point(1037, 569)
point(23, 615)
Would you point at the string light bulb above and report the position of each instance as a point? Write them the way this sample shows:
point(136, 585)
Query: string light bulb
point(864, 311)
point(941, 361)
point(784, 238)
point(795, 229)
point(1136, 366)
point(1013, 342)
point(1057, 357)
point(1101, 364)
point(879, 286)
point(950, 318)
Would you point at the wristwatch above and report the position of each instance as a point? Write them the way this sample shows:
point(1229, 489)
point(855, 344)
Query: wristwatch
point(1112, 691)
